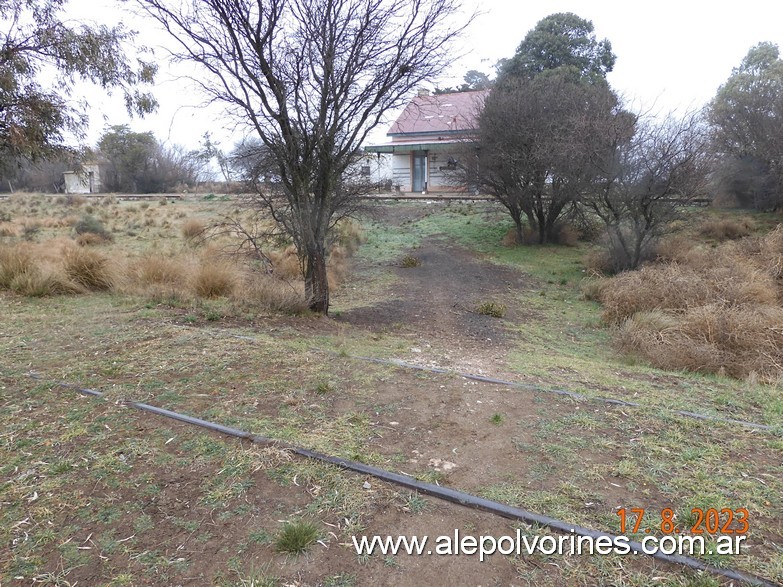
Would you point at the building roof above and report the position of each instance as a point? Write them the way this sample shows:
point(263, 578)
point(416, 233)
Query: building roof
point(441, 113)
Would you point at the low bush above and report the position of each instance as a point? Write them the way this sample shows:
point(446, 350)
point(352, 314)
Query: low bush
point(91, 225)
point(192, 228)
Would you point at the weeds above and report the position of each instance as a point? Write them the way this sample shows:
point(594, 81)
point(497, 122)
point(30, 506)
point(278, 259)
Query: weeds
point(409, 262)
point(492, 309)
point(296, 537)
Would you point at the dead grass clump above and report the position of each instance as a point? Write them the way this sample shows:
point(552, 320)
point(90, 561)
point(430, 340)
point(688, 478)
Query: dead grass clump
point(73, 200)
point(285, 264)
point(213, 279)
point(722, 229)
point(14, 261)
point(409, 261)
point(567, 235)
point(89, 239)
point(738, 341)
point(88, 268)
point(157, 270)
point(652, 288)
point(8, 230)
point(511, 238)
point(674, 248)
point(593, 287)
point(43, 281)
point(272, 294)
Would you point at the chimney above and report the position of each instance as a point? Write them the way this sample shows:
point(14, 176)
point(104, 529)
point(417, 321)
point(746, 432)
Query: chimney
point(423, 92)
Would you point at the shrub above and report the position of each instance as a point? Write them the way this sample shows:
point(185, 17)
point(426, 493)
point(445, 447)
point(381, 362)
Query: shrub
point(88, 268)
point(90, 225)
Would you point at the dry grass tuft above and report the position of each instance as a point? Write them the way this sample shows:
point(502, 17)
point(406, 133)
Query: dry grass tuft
point(511, 238)
point(88, 268)
point(25, 273)
point(8, 229)
point(674, 248)
point(192, 228)
point(717, 311)
point(89, 239)
point(348, 235)
point(285, 264)
point(722, 229)
point(714, 338)
point(214, 279)
point(272, 294)
point(14, 261)
point(157, 270)
point(43, 281)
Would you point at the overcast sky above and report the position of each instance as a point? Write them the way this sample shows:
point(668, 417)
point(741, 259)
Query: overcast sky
point(670, 55)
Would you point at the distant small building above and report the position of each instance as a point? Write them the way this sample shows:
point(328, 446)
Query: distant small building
point(429, 138)
point(88, 180)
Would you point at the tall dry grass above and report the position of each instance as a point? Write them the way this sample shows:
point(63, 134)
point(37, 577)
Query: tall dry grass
point(718, 310)
point(88, 268)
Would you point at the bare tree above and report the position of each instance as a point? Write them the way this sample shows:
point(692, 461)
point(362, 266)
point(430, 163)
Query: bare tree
point(652, 169)
point(536, 140)
point(311, 78)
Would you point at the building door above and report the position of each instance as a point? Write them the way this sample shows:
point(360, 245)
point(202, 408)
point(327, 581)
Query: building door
point(419, 171)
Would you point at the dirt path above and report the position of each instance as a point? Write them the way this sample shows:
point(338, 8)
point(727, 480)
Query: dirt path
point(435, 305)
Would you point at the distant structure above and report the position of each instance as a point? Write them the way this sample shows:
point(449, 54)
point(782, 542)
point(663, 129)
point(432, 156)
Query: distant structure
point(88, 180)
point(429, 139)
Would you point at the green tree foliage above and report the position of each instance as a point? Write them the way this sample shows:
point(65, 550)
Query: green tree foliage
point(35, 41)
point(747, 121)
point(473, 80)
point(540, 125)
point(562, 40)
point(139, 164)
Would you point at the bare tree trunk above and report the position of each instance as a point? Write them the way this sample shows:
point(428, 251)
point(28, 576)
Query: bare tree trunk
point(316, 279)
